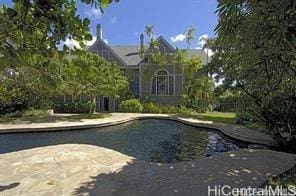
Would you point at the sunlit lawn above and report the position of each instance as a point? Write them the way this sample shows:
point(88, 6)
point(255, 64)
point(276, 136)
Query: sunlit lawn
point(223, 117)
point(41, 117)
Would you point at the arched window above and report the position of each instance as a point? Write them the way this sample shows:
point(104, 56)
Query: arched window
point(162, 83)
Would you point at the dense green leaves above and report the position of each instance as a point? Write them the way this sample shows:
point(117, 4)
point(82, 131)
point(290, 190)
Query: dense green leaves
point(32, 30)
point(199, 88)
point(88, 74)
point(189, 36)
point(30, 35)
point(131, 105)
point(255, 53)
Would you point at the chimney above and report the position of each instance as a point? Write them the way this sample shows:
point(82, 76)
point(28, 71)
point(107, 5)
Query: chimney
point(99, 31)
point(142, 41)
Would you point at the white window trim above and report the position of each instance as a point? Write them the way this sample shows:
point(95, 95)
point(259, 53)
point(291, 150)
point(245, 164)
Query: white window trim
point(167, 76)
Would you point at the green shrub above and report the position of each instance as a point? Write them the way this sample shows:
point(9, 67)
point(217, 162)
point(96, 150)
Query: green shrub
point(184, 110)
point(169, 109)
point(77, 107)
point(131, 105)
point(13, 98)
point(150, 107)
point(34, 113)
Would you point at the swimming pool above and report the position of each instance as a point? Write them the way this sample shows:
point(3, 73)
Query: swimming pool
point(162, 141)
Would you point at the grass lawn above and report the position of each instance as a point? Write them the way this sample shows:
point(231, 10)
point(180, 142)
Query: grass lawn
point(40, 117)
point(223, 117)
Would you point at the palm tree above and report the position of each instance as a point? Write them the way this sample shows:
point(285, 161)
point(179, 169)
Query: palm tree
point(154, 45)
point(190, 36)
point(179, 57)
point(149, 31)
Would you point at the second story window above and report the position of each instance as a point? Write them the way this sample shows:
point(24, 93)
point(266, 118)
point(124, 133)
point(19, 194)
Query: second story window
point(106, 55)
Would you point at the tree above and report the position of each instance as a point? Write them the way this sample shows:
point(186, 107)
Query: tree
point(149, 31)
point(255, 53)
point(89, 74)
point(189, 37)
point(198, 88)
point(32, 29)
point(156, 58)
point(179, 58)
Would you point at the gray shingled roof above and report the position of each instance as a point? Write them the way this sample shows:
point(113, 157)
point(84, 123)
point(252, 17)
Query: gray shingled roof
point(129, 54)
point(197, 52)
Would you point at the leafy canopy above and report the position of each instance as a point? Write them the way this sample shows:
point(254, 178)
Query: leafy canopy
point(32, 29)
point(89, 74)
point(255, 53)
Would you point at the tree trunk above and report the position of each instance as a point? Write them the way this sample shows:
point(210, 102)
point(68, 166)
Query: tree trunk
point(92, 109)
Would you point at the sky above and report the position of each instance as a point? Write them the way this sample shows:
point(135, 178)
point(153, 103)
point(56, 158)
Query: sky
point(123, 22)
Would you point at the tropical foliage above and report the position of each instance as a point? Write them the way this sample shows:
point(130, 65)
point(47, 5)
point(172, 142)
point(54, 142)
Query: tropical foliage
point(131, 105)
point(198, 91)
point(25, 87)
point(77, 107)
point(189, 36)
point(32, 45)
point(255, 53)
point(89, 74)
point(31, 30)
point(199, 88)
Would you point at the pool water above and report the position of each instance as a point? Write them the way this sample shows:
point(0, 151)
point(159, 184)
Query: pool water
point(161, 141)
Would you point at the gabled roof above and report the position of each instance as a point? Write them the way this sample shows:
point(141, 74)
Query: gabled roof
point(130, 54)
point(160, 38)
point(109, 48)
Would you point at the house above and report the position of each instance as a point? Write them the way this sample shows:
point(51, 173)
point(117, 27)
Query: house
point(164, 87)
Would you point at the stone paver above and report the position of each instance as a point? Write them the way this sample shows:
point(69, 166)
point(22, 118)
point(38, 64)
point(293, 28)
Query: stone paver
point(237, 132)
point(90, 170)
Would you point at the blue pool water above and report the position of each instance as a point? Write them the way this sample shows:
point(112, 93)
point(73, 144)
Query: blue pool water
point(162, 141)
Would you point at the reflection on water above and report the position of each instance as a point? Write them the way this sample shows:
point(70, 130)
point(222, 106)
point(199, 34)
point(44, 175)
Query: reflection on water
point(151, 140)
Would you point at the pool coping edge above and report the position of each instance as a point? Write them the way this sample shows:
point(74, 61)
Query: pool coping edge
point(216, 126)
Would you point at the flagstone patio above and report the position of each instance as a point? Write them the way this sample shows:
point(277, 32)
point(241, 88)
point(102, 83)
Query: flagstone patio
point(89, 170)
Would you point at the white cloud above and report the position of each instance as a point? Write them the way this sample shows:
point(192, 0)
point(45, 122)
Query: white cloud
point(72, 42)
point(93, 12)
point(113, 20)
point(89, 43)
point(202, 40)
point(106, 41)
point(178, 38)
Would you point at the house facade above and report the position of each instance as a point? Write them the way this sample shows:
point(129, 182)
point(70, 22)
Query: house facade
point(164, 87)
